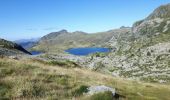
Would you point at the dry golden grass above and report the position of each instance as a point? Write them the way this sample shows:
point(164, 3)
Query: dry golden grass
point(31, 79)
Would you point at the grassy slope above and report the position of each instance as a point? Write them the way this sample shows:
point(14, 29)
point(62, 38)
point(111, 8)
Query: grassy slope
point(31, 79)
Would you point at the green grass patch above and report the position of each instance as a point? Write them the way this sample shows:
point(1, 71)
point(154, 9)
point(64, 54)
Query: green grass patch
point(4, 91)
point(79, 91)
point(102, 96)
point(59, 79)
point(64, 63)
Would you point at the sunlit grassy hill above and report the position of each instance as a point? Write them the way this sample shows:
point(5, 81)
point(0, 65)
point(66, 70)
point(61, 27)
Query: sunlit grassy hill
point(36, 79)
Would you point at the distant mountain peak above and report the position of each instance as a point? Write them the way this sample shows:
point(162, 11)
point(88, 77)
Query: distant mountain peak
point(161, 12)
point(124, 27)
point(54, 34)
point(80, 32)
point(63, 31)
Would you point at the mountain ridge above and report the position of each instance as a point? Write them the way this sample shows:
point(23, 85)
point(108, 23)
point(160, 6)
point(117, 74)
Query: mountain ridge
point(9, 48)
point(67, 40)
point(161, 12)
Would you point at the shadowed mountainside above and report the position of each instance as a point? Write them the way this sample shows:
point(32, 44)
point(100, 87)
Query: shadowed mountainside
point(27, 43)
point(9, 48)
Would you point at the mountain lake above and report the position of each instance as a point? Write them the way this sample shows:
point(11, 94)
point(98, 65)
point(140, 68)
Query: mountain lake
point(35, 52)
point(87, 50)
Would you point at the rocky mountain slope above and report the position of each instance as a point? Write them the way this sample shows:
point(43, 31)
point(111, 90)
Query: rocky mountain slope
point(8, 48)
point(156, 23)
point(142, 54)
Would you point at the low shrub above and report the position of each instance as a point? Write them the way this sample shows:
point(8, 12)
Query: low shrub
point(59, 79)
point(148, 53)
point(65, 63)
point(31, 90)
point(5, 71)
point(57, 63)
point(79, 91)
point(4, 89)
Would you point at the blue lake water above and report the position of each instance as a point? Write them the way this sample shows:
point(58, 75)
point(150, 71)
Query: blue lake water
point(35, 52)
point(86, 51)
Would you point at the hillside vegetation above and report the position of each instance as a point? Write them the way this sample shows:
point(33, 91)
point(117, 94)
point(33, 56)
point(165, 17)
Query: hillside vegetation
point(138, 68)
point(35, 79)
point(143, 53)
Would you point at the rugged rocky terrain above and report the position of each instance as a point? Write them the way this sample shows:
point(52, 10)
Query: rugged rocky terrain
point(8, 48)
point(142, 52)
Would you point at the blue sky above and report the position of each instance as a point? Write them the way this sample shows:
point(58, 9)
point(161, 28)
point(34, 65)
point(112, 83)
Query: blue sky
point(20, 19)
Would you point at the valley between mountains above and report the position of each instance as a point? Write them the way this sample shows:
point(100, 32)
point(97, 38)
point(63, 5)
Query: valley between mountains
point(136, 68)
point(141, 52)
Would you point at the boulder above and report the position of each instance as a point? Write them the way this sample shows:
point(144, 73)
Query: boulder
point(96, 89)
